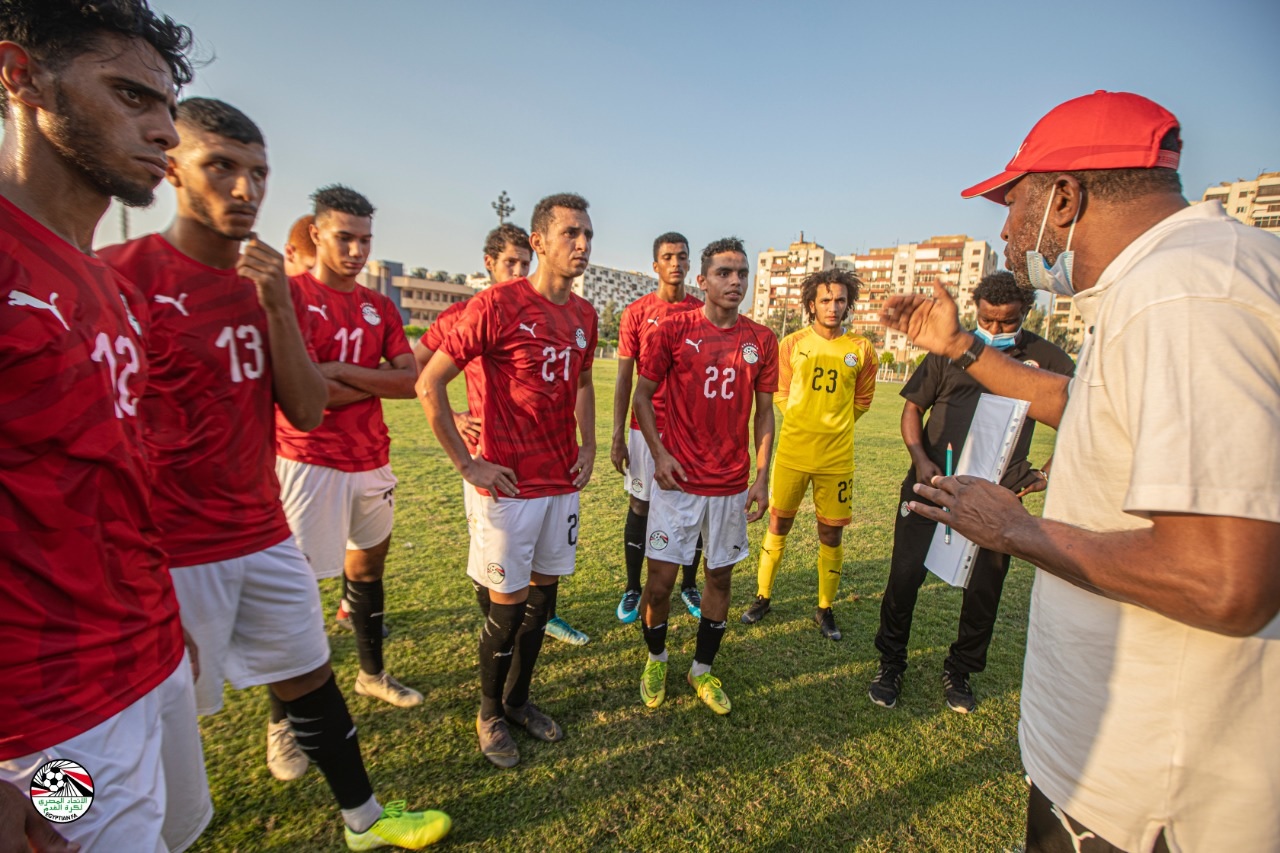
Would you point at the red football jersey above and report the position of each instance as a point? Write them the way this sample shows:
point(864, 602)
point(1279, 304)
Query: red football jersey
point(711, 376)
point(639, 319)
point(208, 415)
point(434, 340)
point(361, 327)
point(89, 613)
point(531, 352)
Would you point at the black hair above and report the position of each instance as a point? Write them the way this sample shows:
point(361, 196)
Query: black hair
point(809, 287)
point(1120, 185)
point(1001, 288)
point(717, 247)
point(57, 31)
point(670, 237)
point(339, 199)
point(505, 235)
point(220, 118)
point(543, 211)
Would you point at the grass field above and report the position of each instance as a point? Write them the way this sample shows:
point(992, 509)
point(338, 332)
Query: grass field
point(804, 762)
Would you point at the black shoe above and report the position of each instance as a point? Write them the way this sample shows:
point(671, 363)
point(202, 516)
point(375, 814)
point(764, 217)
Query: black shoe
point(827, 623)
point(886, 686)
point(955, 686)
point(756, 611)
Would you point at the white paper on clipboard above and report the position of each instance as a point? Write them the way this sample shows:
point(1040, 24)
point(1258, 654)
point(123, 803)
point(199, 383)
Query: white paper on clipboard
point(992, 437)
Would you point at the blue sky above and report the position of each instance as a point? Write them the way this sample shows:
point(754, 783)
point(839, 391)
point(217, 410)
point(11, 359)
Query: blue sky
point(858, 123)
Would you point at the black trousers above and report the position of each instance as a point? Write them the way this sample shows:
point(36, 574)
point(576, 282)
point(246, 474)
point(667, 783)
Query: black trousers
point(911, 537)
point(1057, 832)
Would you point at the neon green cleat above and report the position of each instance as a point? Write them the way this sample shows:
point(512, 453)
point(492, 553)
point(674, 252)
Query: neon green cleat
point(709, 691)
point(653, 683)
point(399, 828)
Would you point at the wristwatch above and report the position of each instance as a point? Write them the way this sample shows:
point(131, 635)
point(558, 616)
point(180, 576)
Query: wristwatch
point(970, 355)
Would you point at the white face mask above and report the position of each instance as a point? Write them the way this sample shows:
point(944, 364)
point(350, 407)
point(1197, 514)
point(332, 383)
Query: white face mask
point(1056, 278)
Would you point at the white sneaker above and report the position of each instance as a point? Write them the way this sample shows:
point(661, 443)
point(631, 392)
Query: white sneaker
point(386, 688)
point(284, 759)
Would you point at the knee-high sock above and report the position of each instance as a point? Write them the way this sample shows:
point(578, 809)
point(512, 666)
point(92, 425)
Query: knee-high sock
point(326, 734)
point(633, 534)
point(655, 637)
point(771, 548)
point(533, 630)
point(689, 573)
point(710, 633)
point(830, 562)
point(277, 707)
point(365, 602)
point(482, 597)
point(497, 642)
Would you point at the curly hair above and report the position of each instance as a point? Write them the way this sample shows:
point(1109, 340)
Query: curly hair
point(718, 247)
point(57, 31)
point(1001, 288)
point(809, 288)
point(220, 118)
point(545, 209)
point(336, 198)
point(505, 235)
point(673, 237)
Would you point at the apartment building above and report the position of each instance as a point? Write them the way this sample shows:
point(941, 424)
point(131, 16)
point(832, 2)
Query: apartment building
point(1255, 202)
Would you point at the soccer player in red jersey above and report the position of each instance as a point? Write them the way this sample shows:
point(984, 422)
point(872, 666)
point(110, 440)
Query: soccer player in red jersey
point(226, 349)
point(629, 453)
point(712, 364)
point(300, 249)
point(93, 671)
point(336, 481)
point(536, 340)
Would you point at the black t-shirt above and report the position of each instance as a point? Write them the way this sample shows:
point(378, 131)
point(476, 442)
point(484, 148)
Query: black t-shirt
point(951, 397)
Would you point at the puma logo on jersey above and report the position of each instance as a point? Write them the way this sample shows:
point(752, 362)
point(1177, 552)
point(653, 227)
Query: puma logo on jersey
point(1076, 840)
point(26, 300)
point(322, 310)
point(653, 320)
point(133, 321)
point(529, 327)
point(176, 303)
point(697, 345)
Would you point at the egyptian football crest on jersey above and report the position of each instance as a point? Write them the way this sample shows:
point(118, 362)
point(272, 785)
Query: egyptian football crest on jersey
point(658, 540)
point(370, 314)
point(750, 354)
point(850, 359)
point(61, 790)
point(496, 573)
point(580, 338)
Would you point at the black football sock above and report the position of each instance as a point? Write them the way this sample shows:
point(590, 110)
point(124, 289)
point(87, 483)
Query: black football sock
point(710, 633)
point(326, 734)
point(365, 600)
point(482, 597)
point(633, 534)
point(277, 707)
point(689, 573)
point(655, 637)
point(541, 603)
point(497, 641)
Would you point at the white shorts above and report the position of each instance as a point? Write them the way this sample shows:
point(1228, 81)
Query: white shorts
point(511, 538)
point(256, 620)
point(150, 792)
point(676, 519)
point(332, 511)
point(639, 480)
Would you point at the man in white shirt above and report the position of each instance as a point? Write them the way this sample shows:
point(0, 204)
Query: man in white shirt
point(1151, 690)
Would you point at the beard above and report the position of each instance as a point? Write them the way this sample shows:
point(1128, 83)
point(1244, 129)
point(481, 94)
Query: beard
point(199, 208)
point(76, 138)
point(1051, 245)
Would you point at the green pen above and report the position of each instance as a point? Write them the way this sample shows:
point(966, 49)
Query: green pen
point(947, 536)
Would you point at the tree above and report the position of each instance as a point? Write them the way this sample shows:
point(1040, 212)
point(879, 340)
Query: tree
point(609, 322)
point(875, 336)
point(439, 275)
point(503, 206)
point(459, 278)
point(1034, 322)
point(887, 359)
point(969, 322)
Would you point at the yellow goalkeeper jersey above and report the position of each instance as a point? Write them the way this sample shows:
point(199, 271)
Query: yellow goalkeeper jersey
point(823, 387)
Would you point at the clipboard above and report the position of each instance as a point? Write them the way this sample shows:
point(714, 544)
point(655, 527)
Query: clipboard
point(997, 422)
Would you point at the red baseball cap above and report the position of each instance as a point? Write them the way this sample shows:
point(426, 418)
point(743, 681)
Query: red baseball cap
point(1105, 130)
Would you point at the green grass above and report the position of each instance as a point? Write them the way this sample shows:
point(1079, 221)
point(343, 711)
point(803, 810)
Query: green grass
point(804, 762)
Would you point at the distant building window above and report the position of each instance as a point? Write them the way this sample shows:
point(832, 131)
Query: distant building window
point(1267, 221)
point(1244, 194)
point(1241, 209)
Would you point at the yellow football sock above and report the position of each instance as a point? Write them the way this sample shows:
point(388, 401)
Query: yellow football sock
point(771, 548)
point(830, 560)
